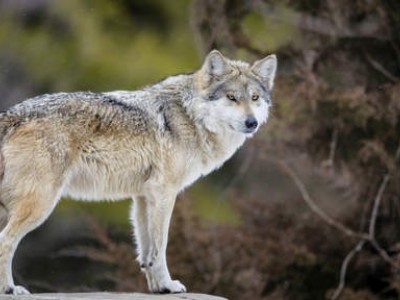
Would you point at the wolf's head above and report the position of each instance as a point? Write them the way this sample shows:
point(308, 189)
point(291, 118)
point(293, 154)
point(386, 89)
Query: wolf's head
point(233, 94)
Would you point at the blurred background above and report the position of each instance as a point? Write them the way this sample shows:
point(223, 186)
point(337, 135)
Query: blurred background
point(283, 217)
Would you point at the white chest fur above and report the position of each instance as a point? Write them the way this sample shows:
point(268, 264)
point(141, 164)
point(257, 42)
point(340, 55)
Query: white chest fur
point(210, 156)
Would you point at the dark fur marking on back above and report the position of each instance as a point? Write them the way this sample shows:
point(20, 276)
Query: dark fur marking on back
point(138, 114)
point(96, 123)
point(2, 167)
point(161, 108)
point(166, 123)
point(16, 124)
point(120, 104)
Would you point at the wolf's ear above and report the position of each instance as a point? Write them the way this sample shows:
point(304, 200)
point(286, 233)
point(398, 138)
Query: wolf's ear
point(215, 64)
point(266, 69)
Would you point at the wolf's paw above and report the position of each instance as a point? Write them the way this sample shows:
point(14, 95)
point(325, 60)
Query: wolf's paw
point(16, 290)
point(173, 287)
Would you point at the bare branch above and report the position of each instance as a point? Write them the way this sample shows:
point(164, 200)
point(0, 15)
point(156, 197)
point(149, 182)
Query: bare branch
point(385, 256)
point(315, 208)
point(364, 238)
point(332, 149)
point(343, 269)
point(370, 238)
point(381, 69)
point(377, 202)
point(371, 235)
point(378, 199)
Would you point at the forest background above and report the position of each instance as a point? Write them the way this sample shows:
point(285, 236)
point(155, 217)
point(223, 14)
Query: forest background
point(308, 209)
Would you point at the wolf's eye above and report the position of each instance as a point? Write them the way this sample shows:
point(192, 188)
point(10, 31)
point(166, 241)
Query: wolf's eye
point(255, 97)
point(231, 97)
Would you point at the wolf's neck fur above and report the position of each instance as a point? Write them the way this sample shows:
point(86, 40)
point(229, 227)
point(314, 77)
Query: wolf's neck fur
point(207, 146)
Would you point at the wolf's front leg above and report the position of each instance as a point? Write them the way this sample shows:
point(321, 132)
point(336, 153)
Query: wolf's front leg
point(159, 207)
point(141, 231)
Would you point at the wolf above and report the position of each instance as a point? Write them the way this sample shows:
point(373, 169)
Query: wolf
point(147, 145)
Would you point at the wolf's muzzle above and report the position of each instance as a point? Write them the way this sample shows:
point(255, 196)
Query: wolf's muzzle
point(251, 123)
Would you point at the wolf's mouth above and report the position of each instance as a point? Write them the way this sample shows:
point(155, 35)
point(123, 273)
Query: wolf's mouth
point(249, 130)
point(244, 130)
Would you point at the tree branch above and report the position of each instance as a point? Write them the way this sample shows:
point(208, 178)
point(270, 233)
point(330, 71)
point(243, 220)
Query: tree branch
point(315, 208)
point(364, 237)
point(375, 209)
point(343, 268)
point(332, 149)
point(381, 69)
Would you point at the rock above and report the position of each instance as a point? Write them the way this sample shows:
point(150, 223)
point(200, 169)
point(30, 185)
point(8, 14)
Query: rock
point(111, 296)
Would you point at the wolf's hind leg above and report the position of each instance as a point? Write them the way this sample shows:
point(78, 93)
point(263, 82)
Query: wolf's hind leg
point(28, 212)
point(29, 190)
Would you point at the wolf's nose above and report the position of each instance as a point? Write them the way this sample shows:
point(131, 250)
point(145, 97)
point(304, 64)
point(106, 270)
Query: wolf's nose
point(251, 122)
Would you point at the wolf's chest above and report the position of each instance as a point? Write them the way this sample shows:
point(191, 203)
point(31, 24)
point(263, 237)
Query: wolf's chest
point(204, 161)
